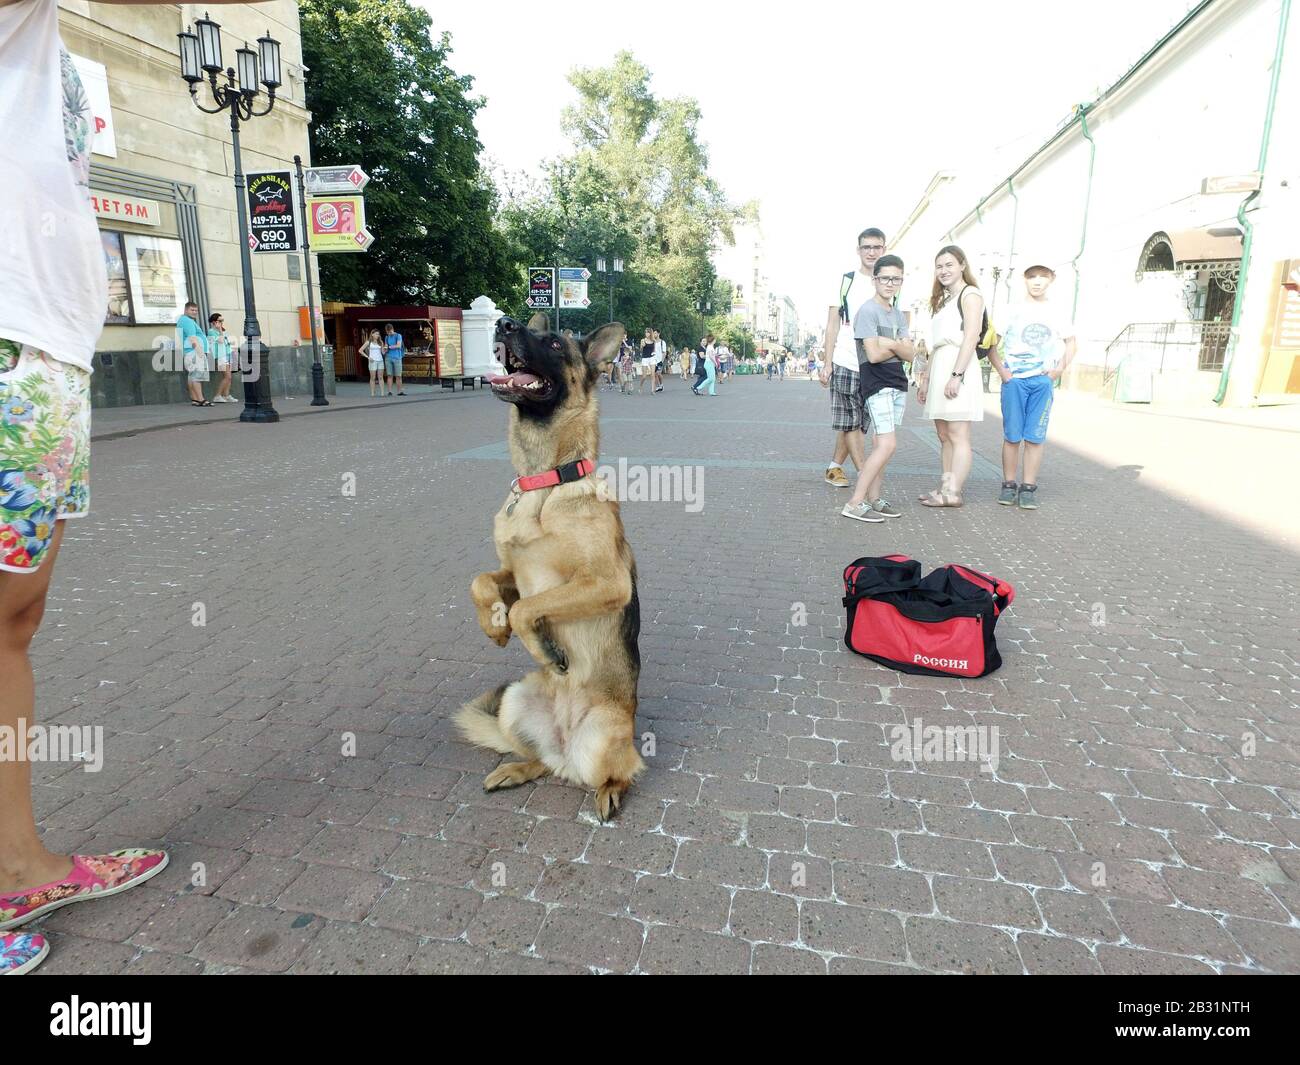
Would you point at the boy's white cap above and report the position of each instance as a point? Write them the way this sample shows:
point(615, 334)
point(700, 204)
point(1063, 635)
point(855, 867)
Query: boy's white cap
point(1037, 264)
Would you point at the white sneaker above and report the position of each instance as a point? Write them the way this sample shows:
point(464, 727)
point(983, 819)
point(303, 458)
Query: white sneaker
point(862, 512)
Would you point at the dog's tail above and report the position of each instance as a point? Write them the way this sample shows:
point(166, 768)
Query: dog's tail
point(478, 722)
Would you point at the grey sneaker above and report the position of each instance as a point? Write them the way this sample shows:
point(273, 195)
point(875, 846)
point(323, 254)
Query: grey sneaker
point(861, 512)
point(886, 509)
point(1029, 497)
point(1009, 491)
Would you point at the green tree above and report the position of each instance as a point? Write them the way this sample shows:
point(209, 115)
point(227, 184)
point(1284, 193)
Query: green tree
point(382, 94)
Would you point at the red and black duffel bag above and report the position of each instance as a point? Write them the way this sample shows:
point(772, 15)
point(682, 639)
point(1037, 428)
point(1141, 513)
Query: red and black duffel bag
point(940, 625)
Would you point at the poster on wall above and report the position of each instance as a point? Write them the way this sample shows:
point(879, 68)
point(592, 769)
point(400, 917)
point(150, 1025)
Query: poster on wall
point(94, 77)
point(450, 360)
point(155, 267)
point(118, 311)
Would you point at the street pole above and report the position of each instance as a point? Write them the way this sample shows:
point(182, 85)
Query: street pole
point(257, 392)
point(317, 370)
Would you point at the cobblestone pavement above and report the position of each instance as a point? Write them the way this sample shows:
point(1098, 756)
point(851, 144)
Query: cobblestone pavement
point(1144, 815)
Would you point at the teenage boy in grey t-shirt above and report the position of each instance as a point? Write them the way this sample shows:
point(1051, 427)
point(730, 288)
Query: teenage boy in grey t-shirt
point(883, 345)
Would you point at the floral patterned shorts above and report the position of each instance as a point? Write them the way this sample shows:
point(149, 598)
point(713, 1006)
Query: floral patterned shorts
point(44, 451)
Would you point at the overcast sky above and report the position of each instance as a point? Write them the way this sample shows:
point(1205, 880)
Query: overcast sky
point(833, 115)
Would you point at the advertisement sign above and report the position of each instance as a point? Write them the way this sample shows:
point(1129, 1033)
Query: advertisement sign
point(114, 208)
point(271, 217)
point(118, 311)
point(94, 77)
point(573, 295)
point(324, 180)
point(156, 269)
point(451, 362)
point(573, 288)
point(338, 223)
point(541, 287)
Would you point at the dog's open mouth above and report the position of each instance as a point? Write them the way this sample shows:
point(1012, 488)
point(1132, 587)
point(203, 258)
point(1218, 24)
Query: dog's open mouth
point(519, 382)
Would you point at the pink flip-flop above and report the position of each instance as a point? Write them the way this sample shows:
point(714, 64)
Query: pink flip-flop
point(92, 877)
point(21, 952)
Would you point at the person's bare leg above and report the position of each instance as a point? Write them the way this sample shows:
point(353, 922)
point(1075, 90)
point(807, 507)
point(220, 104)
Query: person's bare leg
point(24, 860)
point(1011, 459)
point(856, 442)
point(959, 470)
point(872, 471)
point(1033, 462)
point(888, 444)
point(399, 382)
point(841, 447)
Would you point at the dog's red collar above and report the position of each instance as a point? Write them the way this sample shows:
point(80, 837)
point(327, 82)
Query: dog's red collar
point(572, 471)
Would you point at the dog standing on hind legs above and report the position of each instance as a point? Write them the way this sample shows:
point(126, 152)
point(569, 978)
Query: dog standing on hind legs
point(567, 582)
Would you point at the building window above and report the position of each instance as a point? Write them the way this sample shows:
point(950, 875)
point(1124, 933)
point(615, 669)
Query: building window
point(119, 310)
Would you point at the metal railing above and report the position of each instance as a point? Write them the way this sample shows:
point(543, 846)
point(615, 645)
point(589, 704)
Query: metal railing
point(1181, 345)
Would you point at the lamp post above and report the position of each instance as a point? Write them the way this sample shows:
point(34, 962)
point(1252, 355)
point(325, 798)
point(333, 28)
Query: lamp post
point(200, 54)
point(704, 307)
point(611, 276)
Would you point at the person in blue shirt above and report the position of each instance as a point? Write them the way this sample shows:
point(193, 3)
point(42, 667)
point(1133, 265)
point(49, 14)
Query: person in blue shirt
point(394, 349)
point(192, 346)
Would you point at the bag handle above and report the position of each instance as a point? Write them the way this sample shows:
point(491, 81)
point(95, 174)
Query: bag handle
point(871, 576)
point(1003, 593)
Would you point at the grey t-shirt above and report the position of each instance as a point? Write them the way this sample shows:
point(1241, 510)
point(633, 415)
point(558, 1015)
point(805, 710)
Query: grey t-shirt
point(873, 320)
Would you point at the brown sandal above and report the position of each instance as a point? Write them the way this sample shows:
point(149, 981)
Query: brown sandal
point(947, 498)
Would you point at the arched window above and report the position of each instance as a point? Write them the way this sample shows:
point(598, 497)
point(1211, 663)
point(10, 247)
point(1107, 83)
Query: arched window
point(1157, 255)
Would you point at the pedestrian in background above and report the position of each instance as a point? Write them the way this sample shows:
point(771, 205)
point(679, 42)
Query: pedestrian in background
point(192, 344)
point(660, 355)
point(951, 390)
point(711, 368)
point(374, 352)
point(222, 355)
point(627, 370)
point(395, 349)
point(701, 360)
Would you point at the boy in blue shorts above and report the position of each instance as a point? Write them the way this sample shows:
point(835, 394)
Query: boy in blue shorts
point(1037, 345)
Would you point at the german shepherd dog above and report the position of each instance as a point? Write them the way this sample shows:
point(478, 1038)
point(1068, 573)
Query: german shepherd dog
point(567, 582)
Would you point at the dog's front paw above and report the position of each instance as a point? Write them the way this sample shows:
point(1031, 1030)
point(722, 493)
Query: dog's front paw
point(495, 623)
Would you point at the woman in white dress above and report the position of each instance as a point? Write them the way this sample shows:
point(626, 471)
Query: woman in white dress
point(951, 389)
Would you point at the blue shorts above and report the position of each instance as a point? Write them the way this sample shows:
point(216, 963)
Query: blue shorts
point(394, 365)
point(1026, 406)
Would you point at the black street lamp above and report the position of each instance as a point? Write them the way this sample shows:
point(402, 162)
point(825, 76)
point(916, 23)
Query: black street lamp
point(611, 276)
point(201, 54)
point(704, 307)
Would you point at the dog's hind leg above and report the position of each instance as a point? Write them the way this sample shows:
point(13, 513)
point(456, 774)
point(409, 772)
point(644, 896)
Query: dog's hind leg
point(617, 763)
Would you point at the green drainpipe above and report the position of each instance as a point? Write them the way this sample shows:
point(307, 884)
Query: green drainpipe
point(1015, 214)
point(1247, 229)
point(1087, 203)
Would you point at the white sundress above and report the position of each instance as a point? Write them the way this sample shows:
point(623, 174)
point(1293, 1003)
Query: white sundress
point(946, 336)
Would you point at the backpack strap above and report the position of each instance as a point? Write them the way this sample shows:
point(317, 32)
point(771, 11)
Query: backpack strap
point(846, 283)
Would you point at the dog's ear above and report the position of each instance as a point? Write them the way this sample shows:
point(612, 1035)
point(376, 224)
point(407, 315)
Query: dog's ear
point(540, 322)
point(603, 344)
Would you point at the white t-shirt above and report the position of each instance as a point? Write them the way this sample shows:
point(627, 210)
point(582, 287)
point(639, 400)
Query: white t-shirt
point(53, 280)
point(860, 292)
point(1034, 336)
point(375, 351)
